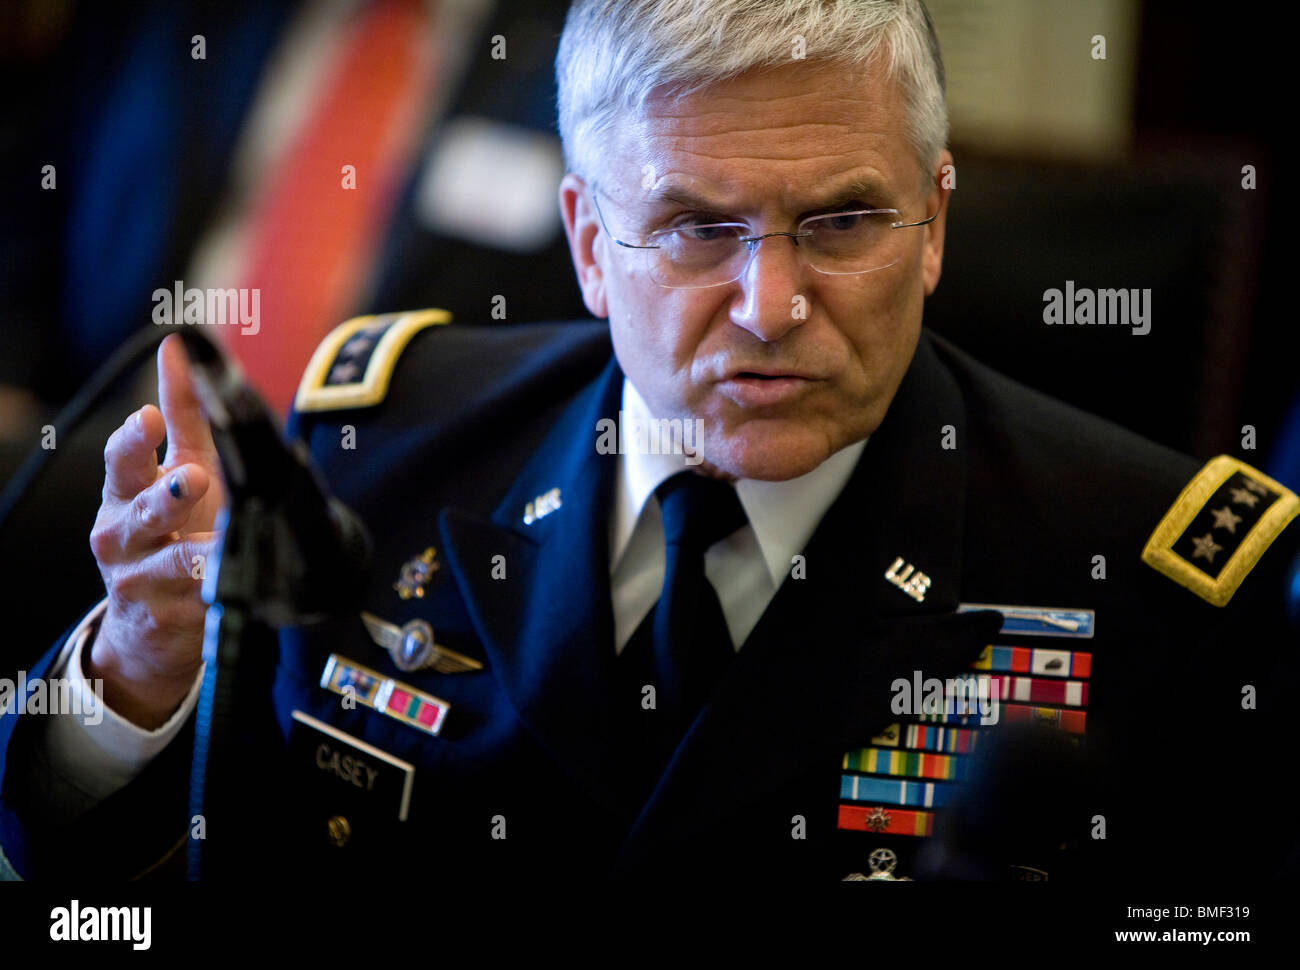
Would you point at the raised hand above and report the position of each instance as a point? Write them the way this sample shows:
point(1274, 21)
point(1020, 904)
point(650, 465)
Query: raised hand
point(152, 538)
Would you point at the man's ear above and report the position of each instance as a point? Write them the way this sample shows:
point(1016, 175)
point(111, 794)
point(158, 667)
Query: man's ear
point(943, 181)
point(586, 243)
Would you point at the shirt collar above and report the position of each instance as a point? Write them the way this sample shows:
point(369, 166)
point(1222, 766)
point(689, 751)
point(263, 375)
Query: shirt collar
point(784, 515)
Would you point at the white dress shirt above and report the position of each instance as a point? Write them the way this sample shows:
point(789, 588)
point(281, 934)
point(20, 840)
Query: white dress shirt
point(747, 567)
point(89, 762)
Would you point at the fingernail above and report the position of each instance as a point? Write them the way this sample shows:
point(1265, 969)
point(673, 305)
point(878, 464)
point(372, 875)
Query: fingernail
point(176, 486)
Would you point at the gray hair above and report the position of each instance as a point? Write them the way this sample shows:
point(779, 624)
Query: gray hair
point(615, 53)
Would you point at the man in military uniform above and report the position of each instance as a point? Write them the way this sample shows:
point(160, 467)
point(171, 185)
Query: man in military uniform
point(588, 653)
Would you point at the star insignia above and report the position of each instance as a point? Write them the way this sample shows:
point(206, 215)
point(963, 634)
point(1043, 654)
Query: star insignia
point(1243, 497)
point(1256, 487)
point(357, 346)
point(1225, 518)
point(344, 373)
point(1206, 546)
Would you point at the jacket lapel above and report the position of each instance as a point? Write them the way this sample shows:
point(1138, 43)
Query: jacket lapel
point(547, 627)
point(813, 679)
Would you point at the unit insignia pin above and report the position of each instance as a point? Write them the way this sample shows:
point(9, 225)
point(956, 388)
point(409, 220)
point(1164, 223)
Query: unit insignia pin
point(413, 647)
point(415, 574)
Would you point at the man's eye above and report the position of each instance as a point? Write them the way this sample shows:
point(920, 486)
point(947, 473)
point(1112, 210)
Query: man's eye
point(705, 232)
point(842, 222)
point(701, 229)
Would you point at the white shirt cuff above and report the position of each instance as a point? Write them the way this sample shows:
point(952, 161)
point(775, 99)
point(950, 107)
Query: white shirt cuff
point(99, 751)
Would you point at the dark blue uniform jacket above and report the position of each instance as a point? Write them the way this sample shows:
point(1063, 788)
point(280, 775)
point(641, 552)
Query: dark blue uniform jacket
point(480, 422)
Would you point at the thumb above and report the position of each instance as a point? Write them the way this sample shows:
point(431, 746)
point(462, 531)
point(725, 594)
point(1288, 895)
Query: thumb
point(188, 434)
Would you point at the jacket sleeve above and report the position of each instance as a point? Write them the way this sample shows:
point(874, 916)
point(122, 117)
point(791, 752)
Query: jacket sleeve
point(46, 828)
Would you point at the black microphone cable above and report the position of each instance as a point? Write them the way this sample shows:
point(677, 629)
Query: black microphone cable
point(125, 359)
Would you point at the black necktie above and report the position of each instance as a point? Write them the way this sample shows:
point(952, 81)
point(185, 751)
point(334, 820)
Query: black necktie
point(683, 646)
point(692, 645)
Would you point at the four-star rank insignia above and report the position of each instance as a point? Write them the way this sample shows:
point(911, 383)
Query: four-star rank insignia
point(415, 572)
point(1219, 527)
point(413, 647)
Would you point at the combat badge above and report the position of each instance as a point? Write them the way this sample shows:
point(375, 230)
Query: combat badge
point(1039, 621)
point(1219, 527)
point(413, 648)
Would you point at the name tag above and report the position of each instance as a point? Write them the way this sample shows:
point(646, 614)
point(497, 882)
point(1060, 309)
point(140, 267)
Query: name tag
point(350, 767)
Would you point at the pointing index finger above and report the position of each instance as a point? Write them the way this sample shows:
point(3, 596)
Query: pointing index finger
point(188, 435)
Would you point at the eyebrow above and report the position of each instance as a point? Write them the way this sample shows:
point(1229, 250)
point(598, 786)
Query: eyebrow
point(858, 189)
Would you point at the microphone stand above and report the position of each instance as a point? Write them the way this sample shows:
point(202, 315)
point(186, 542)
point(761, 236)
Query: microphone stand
point(289, 555)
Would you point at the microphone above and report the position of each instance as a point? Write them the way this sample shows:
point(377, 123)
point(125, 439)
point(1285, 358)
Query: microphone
point(290, 554)
point(297, 554)
point(1020, 803)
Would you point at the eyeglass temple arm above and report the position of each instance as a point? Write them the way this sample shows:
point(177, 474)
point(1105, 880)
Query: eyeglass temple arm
point(601, 215)
point(909, 225)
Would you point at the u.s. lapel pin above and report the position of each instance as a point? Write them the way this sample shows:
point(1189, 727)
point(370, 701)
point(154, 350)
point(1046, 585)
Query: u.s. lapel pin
point(415, 573)
point(413, 647)
point(542, 506)
point(906, 577)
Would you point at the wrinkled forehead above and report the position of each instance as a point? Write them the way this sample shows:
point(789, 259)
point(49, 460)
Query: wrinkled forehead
point(781, 139)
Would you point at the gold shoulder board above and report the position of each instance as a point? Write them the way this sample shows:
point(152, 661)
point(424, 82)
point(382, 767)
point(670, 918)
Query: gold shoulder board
point(1219, 527)
point(353, 365)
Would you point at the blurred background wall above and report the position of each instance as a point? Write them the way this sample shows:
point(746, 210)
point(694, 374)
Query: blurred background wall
point(208, 143)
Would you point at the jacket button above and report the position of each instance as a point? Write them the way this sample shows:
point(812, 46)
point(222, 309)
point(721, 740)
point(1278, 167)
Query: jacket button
point(338, 830)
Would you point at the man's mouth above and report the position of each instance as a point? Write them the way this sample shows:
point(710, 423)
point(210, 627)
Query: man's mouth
point(763, 373)
point(759, 389)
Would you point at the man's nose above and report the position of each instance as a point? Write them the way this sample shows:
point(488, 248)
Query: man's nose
point(767, 306)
